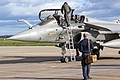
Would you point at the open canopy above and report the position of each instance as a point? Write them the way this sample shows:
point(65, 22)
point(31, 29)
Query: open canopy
point(48, 13)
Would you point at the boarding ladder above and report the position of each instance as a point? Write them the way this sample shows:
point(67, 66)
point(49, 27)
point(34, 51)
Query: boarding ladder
point(70, 44)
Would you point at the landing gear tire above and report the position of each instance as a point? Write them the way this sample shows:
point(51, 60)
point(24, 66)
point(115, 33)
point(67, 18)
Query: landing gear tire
point(118, 52)
point(64, 59)
point(96, 52)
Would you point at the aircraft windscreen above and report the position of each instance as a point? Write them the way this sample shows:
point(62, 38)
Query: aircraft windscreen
point(46, 21)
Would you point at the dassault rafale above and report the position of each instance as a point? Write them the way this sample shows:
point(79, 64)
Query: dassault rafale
point(52, 28)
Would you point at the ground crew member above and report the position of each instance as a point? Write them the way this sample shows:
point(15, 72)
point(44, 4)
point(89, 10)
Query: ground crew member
point(66, 10)
point(83, 47)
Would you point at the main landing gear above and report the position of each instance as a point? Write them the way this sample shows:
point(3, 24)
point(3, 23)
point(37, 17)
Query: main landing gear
point(118, 52)
point(96, 52)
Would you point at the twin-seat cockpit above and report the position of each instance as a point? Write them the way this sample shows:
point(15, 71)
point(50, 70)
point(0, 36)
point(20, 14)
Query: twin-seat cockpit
point(48, 15)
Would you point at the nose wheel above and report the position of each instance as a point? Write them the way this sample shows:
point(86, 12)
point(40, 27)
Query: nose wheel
point(64, 59)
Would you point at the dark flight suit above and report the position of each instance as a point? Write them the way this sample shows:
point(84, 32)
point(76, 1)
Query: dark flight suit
point(66, 10)
point(83, 47)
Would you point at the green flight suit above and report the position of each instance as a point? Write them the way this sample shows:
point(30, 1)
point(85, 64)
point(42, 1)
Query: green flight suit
point(66, 10)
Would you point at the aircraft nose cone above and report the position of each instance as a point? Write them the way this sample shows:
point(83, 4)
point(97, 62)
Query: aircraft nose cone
point(28, 35)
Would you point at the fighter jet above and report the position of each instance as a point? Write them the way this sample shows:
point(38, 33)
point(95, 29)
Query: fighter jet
point(52, 28)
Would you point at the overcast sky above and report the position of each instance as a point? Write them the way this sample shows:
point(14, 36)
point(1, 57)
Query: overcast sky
point(12, 10)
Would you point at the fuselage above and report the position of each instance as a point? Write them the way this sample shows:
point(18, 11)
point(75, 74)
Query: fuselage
point(48, 32)
point(51, 30)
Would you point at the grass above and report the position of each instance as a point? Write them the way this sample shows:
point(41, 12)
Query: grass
point(5, 42)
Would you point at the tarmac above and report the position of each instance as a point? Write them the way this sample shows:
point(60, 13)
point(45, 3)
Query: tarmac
point(42, 63)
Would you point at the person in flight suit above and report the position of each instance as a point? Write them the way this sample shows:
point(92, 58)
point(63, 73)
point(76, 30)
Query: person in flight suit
point(83, 47)
point(66, 10)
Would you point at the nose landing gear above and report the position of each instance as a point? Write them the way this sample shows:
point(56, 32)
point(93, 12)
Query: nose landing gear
point(64, 59)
